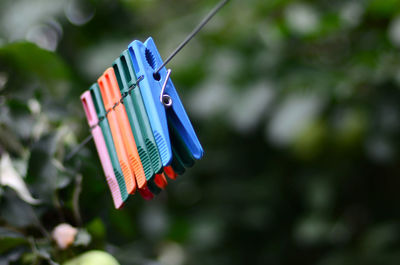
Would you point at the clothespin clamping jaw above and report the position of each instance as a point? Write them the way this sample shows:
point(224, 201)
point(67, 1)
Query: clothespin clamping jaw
point(99, 141)
point(162, 105)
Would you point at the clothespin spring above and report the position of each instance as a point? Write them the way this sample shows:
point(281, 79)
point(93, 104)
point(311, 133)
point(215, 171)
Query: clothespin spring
point(165, 99)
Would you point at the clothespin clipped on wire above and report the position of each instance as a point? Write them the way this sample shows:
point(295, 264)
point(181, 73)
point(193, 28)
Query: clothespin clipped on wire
point(162, 102)
point(140, 125)
point(99, 141)
point(122, 133)
point(141, 130)
point(106, 130)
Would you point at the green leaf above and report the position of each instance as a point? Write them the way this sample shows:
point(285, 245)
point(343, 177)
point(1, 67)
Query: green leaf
point(9, 141)
point(96, 228)
point(30, 58)
point(17, 212)
point(21, 120)
point(13, 256)
point(42, 174)
point(383, 8)
point(10, 239)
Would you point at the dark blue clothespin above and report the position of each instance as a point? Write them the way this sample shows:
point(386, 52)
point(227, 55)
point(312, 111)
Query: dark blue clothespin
point(162, 102)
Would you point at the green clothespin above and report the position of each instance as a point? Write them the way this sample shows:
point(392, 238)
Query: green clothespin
point(181, 151)
point(105, 128)
point(137, 114)
point(182, 157)
point(138, 119)
point(176, 163)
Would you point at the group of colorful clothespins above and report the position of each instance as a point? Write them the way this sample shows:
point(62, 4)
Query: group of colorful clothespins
point(142, 133)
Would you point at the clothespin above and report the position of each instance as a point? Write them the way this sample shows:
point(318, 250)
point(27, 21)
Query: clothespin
point(181, 155)
point(105, 128)
point(170, 173)
point(182, 152)
point(152, 138)
point(101, 148)
point(119, 65)
point(138, 119)
point(134, 105)
point(128, 79)
point(128, 174)
point(161, 181)
point(128, 76)
point(121, 128)
point(176, 163)
point(159, 106)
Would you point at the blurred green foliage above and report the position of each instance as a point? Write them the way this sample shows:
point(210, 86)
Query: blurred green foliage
point(295, 102)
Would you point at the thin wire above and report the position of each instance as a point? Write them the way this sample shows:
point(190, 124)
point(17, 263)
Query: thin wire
point(193, 33)
point(78, 147)
point(172, 55)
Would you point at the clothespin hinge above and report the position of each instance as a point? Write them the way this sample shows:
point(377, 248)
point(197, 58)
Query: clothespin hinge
point(165, 99)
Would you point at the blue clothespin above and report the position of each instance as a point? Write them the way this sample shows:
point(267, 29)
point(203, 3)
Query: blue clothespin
point(146, 59)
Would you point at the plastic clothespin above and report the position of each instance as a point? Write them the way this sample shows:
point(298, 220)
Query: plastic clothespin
point(146, 58)
point(105, 128)
point(128, 174)
point(182, 151)
point(160, 180)
point(99, 141)
point(119, 120)
point(129, 79)
point(181, 155)
point(140, 125)
point(176, 163)
point(120, 66)
point(170, 173)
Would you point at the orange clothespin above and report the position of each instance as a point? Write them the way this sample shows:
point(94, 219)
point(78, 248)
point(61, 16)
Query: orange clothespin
point(109, 86)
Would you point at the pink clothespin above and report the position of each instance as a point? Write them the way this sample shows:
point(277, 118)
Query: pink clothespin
point(98, 137)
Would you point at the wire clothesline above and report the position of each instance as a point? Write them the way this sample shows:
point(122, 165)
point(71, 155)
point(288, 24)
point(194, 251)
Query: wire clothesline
point(196, 30)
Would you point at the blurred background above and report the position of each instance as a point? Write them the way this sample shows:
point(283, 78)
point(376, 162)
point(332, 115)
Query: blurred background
point(296, 104)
